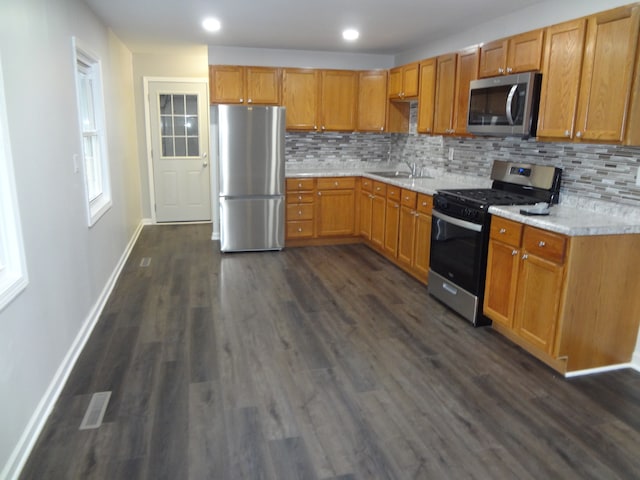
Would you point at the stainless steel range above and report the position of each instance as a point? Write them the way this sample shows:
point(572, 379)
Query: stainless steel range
point(460, 231)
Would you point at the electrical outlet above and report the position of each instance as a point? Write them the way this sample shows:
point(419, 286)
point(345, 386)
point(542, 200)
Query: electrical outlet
point(451, 154)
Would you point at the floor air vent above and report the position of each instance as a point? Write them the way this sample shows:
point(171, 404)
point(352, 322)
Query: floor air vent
point(95, 411)
point(145, 262)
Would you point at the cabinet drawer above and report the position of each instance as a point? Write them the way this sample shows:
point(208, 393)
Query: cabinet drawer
point(300, 212)
point(334, 183)
point(542, 243)
point(379, 188)
point(409, 198)
point(393, 192)
point(506, 231)
point(299, 229)
point(295, 184)
point(425, 203)
point(300, 197)
point(367, 184)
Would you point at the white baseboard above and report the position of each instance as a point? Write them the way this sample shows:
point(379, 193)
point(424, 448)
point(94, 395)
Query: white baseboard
point(608, 368)
point(21, 452)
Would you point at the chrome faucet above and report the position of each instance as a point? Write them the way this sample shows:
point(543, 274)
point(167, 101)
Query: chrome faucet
point(413, 168)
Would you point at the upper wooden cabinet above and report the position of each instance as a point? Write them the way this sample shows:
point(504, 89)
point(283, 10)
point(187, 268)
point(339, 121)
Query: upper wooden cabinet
point(320, 99)
point(244, 85)
point(339, 91)
point(427, 95)
point(520, 53)
point(300, 93)
point(454, 72)
point(588, 79)
point(403, 81)
point(466, 70)
point(445, 94)
point(372, 101)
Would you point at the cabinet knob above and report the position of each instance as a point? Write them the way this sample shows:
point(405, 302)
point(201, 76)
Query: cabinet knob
point(382, 129)
point(315, 127)
point(578, 134)
point(541, 243)
point(396, 206)
point(249, 101)
point(299, 197)
point(299, 229)
point(514, 253)
point(525, 256)
point(319, 194)
point(322, 127)
point(336, 183)
point(503, 230)
point(241, 100)
point(509, 69)
point(299, 212)
point(428, 130)
point(424, 204)
point(501, 70)
point(299, 185)
point(567, 133)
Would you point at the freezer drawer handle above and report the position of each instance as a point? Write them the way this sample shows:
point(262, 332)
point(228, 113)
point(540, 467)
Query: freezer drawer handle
point(449, 288)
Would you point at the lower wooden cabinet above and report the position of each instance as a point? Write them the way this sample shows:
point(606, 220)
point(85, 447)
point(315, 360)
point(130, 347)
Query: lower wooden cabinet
point(300, 214)
point(392, 221)
point(570, 301)
point(335, 210)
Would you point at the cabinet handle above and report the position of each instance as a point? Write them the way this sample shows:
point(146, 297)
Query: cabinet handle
point(541, 243)
point(503, 230)
point(525, 256)
point(514, 253)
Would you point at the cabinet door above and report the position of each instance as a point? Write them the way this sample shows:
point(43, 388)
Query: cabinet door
point(410, 77)
point(395, 82)
point(300, 97)
point(427, 95)
point(392, 222)
point(445, 92)
point(466, 70)
point(226, 84)
point(524, 53)
point(263, 85)
point(378, 213)
point(422, 245)
point(607, 74)
point(502, 277)
point(406, 235)
point(335, 213)
point(338, 100)
point(538, 300)
point(493, 58)
point(372, 101)
point(365, 214)
point(561, 71)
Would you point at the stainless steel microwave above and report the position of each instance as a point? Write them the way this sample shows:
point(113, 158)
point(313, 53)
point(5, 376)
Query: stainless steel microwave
point(505, 106)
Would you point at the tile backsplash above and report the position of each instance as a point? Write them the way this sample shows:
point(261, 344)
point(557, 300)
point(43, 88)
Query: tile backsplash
point(598, 172)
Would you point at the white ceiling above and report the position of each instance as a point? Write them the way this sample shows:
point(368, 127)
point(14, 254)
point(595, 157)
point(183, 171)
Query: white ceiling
point(386, 26)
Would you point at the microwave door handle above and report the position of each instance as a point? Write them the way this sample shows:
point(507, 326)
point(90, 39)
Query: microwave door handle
point(512, 92)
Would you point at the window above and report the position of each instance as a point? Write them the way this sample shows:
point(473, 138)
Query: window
point(13, 269)
point(92, 129)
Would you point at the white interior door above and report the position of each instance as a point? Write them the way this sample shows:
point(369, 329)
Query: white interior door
point(179, 130)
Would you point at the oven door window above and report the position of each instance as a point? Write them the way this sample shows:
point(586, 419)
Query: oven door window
point(456, 254)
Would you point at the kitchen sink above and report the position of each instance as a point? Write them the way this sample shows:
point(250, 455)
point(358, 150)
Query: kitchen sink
point(396, 174)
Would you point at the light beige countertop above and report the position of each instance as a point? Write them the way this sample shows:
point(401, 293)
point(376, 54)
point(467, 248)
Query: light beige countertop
point(572, 220)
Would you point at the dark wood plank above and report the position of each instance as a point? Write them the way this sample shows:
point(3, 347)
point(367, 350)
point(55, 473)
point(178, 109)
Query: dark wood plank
point(319, 362)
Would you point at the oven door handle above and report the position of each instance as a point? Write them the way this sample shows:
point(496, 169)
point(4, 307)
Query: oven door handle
point(456, 221)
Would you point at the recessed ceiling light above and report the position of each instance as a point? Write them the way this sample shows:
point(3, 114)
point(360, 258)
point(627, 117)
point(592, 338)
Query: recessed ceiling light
point(211, 24)
point(350, 34)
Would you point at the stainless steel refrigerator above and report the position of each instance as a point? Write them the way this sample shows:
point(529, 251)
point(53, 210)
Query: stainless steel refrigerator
point(251, 177)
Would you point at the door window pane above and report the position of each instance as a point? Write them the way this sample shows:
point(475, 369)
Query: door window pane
point(179, 125)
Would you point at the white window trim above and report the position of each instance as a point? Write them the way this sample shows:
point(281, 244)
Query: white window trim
point(13, 265)
point(97, 207)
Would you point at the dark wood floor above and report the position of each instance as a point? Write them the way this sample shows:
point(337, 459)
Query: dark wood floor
point(318, 363)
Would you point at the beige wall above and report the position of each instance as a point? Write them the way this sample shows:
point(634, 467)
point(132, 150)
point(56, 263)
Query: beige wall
point(189, 63)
